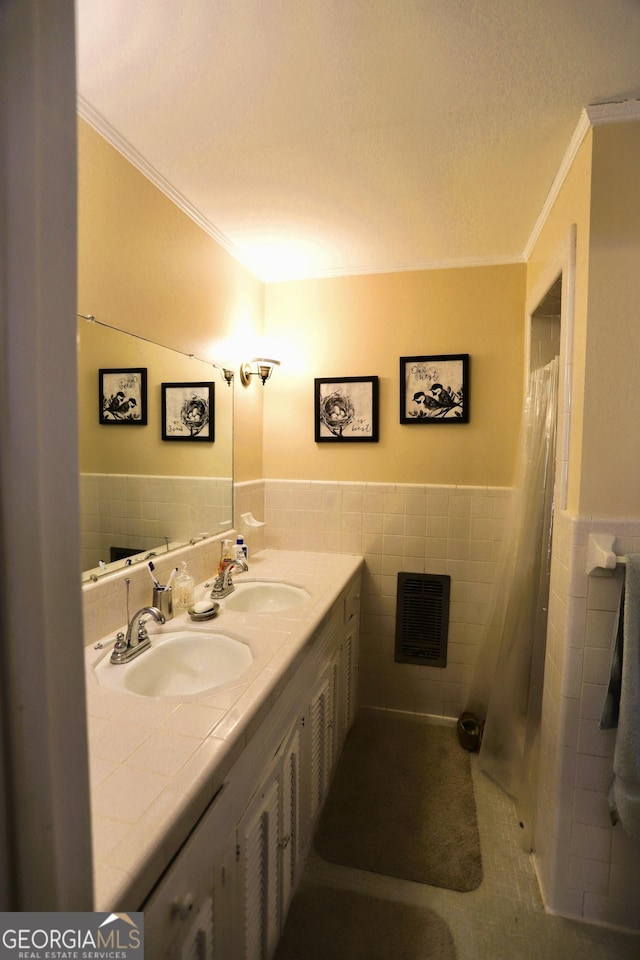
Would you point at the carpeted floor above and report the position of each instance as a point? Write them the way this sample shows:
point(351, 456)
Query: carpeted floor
point(402, 804)
point(344, 925)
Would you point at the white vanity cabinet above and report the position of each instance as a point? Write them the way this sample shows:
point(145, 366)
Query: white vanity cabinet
point(226, 895)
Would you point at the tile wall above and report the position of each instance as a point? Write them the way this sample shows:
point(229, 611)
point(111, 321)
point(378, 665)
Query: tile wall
point(132, 511)
point(587, 867)
point(397, 527)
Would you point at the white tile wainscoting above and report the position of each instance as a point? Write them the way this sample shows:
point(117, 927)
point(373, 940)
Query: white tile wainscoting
point(411, 527)
point(587, 868)
point(127, 510)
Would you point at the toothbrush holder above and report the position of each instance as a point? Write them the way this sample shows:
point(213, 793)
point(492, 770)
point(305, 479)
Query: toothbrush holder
point(163, 600)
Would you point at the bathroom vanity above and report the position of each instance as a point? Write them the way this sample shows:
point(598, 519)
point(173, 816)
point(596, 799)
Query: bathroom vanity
point(213, 855)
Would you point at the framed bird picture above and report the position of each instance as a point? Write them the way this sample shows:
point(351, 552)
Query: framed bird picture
point(188, 411)
point(434, 389)
point(122, 396)
point(346, 409)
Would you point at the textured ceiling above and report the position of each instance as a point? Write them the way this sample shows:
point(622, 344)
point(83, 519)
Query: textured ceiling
point(324, 137)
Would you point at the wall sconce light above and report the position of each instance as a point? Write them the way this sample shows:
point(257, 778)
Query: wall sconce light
point(264, 369)
point(227, 374)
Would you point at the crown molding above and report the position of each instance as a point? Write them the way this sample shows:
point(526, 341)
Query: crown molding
point(591, 116)
point(118, 142)
point(582, 128)
point(614, 112)
point(440, 264)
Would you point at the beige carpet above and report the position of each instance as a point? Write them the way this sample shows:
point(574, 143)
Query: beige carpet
point(330, 924)
point(402, 804)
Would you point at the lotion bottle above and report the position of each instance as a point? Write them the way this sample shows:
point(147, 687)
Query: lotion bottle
point(242, 553)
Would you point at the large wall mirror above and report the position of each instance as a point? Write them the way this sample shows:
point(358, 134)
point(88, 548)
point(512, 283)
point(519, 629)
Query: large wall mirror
point(148, 487)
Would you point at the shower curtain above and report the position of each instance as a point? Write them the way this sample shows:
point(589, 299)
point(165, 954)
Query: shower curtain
point(507, 686)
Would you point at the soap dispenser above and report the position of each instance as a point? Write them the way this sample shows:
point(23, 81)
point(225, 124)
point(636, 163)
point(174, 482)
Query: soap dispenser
point(183, 587)
point(227, 554)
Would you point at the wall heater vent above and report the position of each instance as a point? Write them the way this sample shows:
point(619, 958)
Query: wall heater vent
point(422, 618)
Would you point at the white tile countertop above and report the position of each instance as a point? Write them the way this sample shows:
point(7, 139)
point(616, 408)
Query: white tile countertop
point(155, 763)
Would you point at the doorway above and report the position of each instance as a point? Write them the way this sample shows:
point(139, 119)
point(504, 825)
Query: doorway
point(545, 338)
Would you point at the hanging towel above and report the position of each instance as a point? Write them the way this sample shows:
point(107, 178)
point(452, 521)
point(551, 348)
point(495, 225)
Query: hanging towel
point(624, 797)
point(611, 709)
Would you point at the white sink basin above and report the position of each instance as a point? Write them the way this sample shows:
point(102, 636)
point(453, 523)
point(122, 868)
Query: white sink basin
point(265, 596)
point(178, 665)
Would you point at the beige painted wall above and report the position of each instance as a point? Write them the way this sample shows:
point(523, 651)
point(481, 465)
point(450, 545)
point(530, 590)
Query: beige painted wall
point(611, 446)
point(601, 196)
point(144, 266)
point(361, 326)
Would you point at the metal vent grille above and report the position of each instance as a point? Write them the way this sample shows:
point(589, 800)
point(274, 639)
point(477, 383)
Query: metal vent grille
point(422, 618)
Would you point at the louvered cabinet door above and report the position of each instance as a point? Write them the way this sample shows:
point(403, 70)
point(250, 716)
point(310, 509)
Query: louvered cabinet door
point(347, 689)
point(290, 822)
point(258, 850)
point(350, 673)
point(334, 721)
point(320, 715)
point(351, 653)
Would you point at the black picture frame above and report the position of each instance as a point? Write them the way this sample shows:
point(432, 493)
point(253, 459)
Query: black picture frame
point(346, 409)
point(434, 388)
point(188, 411)
point(122, 396)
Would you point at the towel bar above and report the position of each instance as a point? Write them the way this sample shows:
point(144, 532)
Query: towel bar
point(602, 559)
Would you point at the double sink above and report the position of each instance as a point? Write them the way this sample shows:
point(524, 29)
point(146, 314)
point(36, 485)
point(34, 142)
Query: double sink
point(191, 661)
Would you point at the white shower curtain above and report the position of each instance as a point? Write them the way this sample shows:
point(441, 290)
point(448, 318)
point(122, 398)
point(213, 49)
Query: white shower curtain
point(507, 687)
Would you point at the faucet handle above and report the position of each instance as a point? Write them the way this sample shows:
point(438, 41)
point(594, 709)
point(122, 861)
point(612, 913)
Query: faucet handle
point(217, 587)
point(121, 643)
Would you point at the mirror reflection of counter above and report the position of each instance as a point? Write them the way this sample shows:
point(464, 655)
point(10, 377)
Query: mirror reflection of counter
point(140, 494)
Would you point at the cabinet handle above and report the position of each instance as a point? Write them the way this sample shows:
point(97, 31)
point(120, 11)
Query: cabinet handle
point(201, 944)
point(184, 905)
point(284, 843)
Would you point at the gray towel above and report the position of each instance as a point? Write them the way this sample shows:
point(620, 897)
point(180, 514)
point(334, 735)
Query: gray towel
point(625, 791)
point(611, 710)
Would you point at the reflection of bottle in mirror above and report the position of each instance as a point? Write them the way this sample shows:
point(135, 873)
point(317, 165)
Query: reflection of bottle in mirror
point(182, 589)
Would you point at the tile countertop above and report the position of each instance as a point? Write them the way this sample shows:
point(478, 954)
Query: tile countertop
point(156, 762)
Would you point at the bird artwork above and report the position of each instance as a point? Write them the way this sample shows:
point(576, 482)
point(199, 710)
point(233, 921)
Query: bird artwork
point(337, 412)
point(346, 409)
point(122, 393)
point(439, 402)
point(195, 415)
point(120, 407)
point(435, 389)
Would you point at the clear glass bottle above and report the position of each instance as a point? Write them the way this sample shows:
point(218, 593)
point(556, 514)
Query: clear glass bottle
point(182, 589)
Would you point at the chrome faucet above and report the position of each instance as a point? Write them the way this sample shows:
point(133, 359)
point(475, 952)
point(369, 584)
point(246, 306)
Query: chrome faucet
point(136, 639)
point(223, 584)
